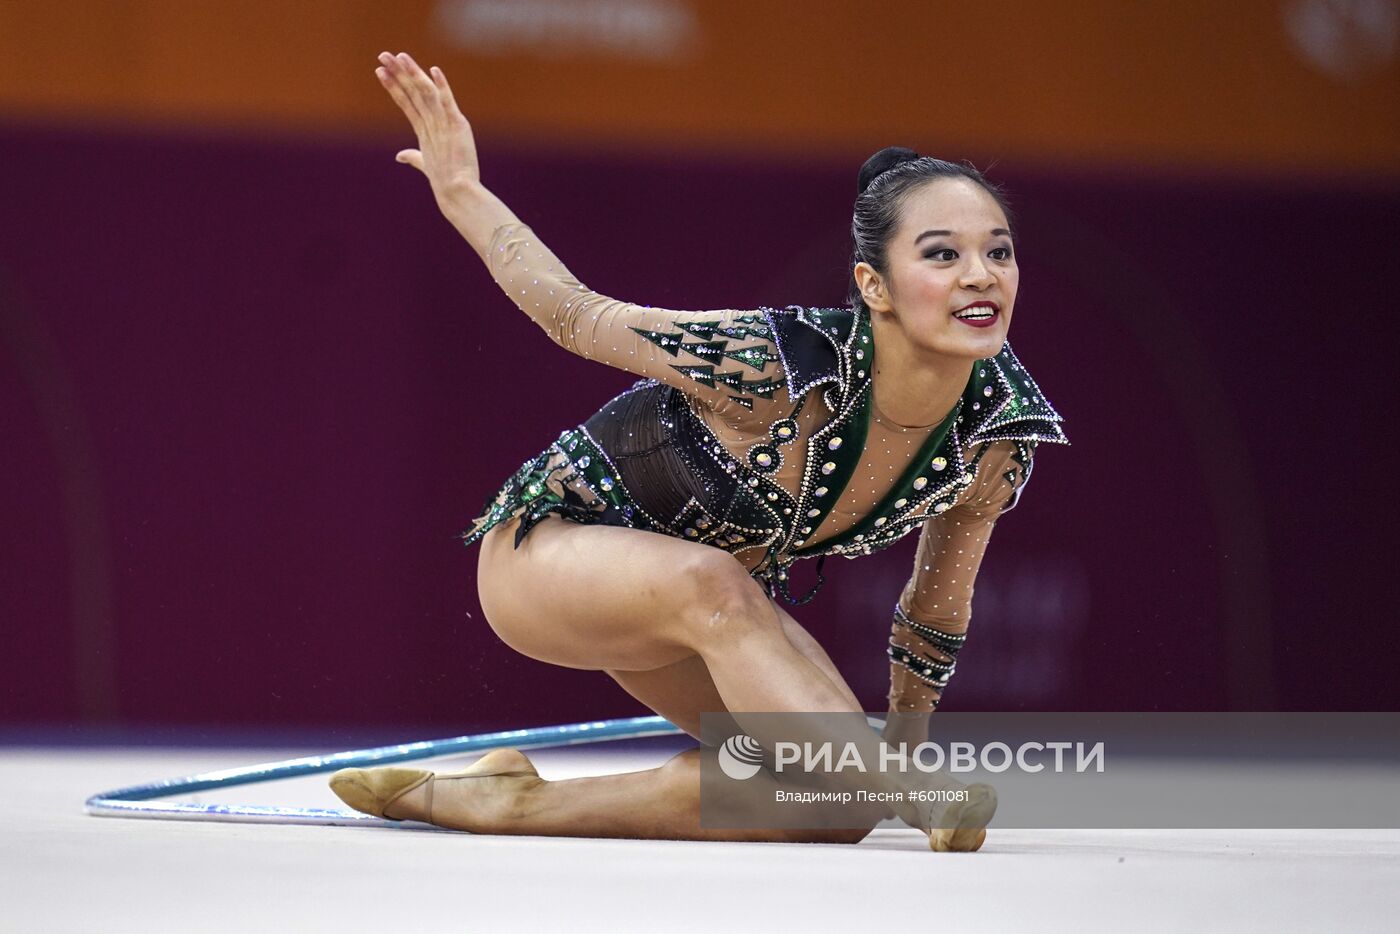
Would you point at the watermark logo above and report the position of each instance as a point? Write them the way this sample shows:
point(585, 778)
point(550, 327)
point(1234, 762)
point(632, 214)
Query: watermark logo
point(1234, 770)
point(740, 757)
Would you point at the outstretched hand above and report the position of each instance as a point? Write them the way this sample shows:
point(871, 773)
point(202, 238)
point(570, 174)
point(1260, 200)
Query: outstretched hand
point(446, 151)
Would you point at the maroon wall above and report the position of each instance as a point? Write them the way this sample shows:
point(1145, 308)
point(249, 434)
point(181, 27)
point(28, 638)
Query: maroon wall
point(251, 390)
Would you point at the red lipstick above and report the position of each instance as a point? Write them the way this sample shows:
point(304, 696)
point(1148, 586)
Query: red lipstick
point(985, 314)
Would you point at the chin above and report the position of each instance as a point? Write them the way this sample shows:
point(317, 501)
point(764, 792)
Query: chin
point(971, 348)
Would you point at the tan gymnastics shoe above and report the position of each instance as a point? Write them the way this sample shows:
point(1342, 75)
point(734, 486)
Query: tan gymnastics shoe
point(966, 822)
point(374, 790)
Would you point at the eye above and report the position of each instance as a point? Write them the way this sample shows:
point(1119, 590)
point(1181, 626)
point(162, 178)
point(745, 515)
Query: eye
point(952, 254)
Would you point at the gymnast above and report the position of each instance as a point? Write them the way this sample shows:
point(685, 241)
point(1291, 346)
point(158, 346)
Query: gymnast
point(653, 541)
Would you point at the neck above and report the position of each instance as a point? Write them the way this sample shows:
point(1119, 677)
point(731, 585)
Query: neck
point(911, 386)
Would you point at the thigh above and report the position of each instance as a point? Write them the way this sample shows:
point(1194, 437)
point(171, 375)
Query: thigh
point(683, 690)
point(604, 597)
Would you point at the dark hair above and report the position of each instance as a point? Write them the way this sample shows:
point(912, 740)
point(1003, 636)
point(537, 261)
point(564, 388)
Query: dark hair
point(885, 181)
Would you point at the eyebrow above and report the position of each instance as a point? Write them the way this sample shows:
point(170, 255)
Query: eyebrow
point(996, 232)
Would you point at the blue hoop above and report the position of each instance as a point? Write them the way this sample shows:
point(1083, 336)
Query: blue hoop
point(132, 802)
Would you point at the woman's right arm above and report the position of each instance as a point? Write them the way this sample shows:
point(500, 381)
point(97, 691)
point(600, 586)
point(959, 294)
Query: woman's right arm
point(728, 358)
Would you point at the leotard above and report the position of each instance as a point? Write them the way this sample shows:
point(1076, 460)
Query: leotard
point(755, 431)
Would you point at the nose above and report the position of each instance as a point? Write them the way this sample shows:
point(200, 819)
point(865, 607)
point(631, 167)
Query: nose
point(976, 274)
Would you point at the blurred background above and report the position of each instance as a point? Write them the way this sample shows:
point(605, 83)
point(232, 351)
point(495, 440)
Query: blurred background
point(252, 385)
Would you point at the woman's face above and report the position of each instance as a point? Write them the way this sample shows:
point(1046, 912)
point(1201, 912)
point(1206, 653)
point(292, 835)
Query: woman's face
point(952, 250)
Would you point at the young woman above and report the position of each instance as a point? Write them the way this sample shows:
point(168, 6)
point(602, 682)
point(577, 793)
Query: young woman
point(653, 541)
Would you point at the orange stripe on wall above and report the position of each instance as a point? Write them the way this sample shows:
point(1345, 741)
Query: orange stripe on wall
point(1293, 84)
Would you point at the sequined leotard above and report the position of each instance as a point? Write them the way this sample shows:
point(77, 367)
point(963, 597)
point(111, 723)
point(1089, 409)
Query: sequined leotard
point(755, 432)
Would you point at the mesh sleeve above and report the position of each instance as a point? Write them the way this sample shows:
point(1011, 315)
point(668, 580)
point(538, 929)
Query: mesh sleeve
point(727, 359)
point(939, 592)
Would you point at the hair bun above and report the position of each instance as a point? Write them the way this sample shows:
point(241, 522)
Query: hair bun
point(882, 162)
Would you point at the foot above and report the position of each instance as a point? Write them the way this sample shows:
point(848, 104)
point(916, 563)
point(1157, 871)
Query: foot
point(960, 826)
point(485, 797)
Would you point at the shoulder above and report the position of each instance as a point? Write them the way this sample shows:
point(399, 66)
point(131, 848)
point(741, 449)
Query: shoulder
point(1003, 402)
point(819, 345)
point(1005, 415)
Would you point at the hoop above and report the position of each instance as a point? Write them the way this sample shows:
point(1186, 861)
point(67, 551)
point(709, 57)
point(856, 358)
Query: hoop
point(135, 801)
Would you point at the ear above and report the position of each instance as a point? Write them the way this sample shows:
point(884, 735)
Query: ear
point(872, 287)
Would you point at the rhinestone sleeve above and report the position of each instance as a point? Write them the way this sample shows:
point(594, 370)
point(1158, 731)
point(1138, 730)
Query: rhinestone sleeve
point(937, 601)
point(728, 359)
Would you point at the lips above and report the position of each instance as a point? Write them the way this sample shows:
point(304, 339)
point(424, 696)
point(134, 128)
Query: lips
point(978, 314)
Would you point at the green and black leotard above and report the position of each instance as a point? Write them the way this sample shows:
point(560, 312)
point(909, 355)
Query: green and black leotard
point(755, 431)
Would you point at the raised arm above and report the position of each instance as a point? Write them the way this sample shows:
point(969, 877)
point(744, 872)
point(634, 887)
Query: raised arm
point(935, 608)
point(726, 358)
point(446, 153)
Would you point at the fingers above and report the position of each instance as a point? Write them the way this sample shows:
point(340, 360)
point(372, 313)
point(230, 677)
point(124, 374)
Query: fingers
point(414, 84)
point(420, 87)
point(449, 103)
point(392, 84)
point(402, 100)
point(426, 99)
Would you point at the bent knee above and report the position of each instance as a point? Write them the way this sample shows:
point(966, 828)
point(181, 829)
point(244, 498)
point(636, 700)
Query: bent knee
point(724, 601)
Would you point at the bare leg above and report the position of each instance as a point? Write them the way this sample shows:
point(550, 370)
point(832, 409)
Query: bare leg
point(665, 803)
point(661, 803)
point(633, 602)
point(616, 599)
point(656, 804)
